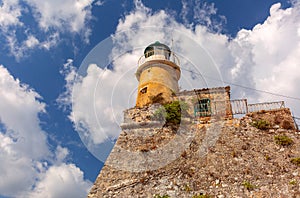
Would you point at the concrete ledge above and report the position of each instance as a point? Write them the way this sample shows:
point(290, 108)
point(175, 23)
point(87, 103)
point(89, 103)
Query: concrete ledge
point(135, 125)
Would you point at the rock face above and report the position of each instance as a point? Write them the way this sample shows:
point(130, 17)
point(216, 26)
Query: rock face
point(225, 158)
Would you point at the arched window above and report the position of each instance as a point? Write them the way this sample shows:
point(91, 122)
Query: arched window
point(143, 90)
point(202, 108)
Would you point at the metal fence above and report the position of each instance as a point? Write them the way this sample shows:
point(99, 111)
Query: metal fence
point(239, 106)
point(297, 122)
point(265, 106)
point(242, 107)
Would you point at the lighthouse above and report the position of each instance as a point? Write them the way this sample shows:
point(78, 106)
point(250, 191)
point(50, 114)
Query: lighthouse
point(158, 74)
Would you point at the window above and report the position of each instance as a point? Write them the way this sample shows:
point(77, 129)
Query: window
point(143, 90)
point(202, 108)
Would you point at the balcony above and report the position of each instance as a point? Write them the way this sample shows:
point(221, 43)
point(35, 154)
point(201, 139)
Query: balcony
point(159, 54)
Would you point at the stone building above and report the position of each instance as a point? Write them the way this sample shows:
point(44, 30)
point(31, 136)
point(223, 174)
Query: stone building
point(158, 74)
point(210, 153)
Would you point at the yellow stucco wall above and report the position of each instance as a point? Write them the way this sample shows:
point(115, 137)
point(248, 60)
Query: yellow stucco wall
point(157, 78)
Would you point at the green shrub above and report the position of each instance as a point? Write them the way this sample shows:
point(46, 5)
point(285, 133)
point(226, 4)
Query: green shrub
point(283, 140)
point(161, 196)
point(248, 185)
point(171, 112)
point(187, 188)
point(261, 124)
point(293, 182)
point(296, 161)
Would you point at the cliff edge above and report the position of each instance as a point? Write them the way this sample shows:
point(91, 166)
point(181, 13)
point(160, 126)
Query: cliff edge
point(254, 156)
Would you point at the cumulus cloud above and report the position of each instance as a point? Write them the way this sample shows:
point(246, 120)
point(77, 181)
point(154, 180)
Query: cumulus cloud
point(92, 112)
point(54, 18)
point(26, 159)
point(272, 49)
point(19, 111)
point(196, 12)
point(64, 180)
point(70, 15)
point(31, 41)
point(10, 13)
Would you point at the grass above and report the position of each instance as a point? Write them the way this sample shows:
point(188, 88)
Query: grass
point(261, 124)
point(187, 188)
point(161, 196)
point(283, 140)
point(296, 161)
point(293, 182)
point(248, 185)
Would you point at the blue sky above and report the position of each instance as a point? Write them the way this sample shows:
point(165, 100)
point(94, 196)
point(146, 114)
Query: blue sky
point(61, 107)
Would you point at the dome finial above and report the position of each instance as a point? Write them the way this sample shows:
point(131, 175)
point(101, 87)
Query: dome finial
point(157, 48)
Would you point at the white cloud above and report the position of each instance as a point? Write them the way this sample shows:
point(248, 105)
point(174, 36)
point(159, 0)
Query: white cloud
point(272, 49)
point(201, 13)
point(65, 180)
point(17, 171)
point(69, 15)
point(31, 41)
point(99, 3)
point(24, 153)
point(19, 109)
point(51, 41)
point(91, 112)
point(10, 13)
point(70, 73)
point(60, 154)
point(22, 141)
point(54, 18)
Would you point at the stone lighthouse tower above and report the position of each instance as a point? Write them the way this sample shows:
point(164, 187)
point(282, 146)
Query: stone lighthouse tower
point(158, 74)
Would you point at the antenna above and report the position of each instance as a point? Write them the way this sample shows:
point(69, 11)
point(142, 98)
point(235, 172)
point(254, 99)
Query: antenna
point(172, 53)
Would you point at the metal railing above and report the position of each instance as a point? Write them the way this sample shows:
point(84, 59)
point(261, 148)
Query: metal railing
point(265, 106)
point(159, 54)
point(241, 107)
point(297, 122)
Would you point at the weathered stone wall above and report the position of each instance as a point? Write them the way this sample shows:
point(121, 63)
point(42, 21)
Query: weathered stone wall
point(278, 118)
point(219, 97)
point(226, 158)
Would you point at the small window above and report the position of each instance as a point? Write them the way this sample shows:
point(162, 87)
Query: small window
point(143, 90)
point(202, 108)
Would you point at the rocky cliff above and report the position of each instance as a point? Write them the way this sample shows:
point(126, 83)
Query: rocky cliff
point(254, 156)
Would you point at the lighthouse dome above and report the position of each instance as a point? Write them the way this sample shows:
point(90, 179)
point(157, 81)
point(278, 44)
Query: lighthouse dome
point(157, 48)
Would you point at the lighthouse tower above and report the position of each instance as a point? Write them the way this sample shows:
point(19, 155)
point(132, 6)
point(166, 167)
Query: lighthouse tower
point(158, 74)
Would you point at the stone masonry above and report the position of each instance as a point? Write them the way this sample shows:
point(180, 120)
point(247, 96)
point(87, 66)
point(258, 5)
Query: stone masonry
point(223, 158)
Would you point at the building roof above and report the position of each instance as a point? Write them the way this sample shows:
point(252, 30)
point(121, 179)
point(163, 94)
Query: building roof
point(156, 45)
point(204, 90)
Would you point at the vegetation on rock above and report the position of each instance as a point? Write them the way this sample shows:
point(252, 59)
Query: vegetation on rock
point(161, 196)
point(293, 182)
point(171, 112)
point(261, 124)
point(248, 185)
point(296, 161)
point(283, 140)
